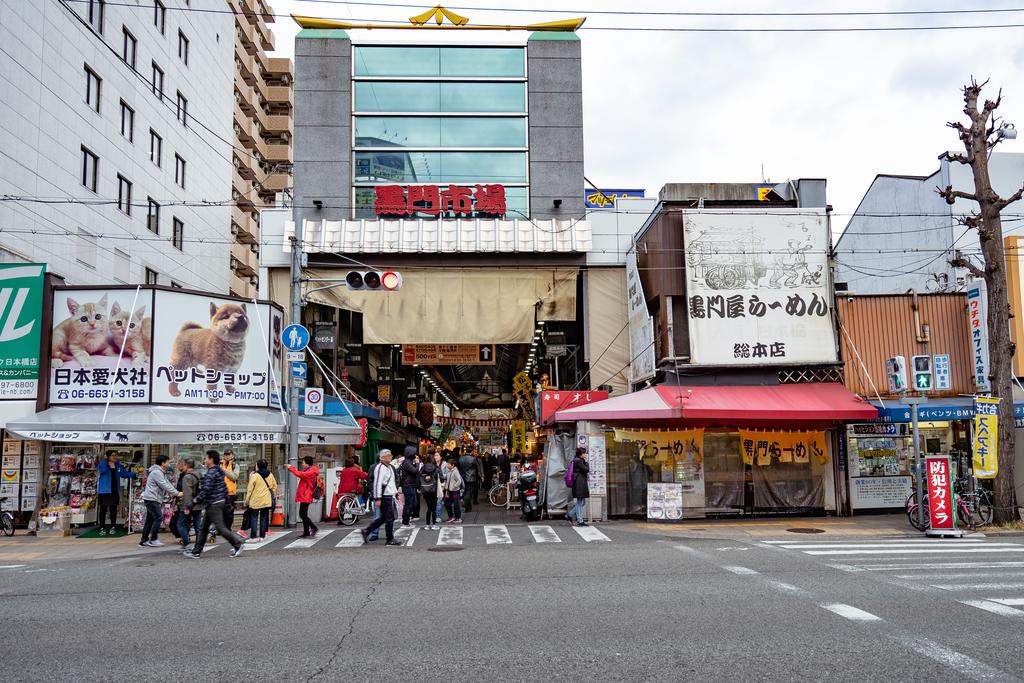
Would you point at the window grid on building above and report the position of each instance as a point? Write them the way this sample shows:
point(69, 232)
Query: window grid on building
point(127, 122)
point(183, 48)
point(158, 81)
point(178, 234)
point(179, 171)
point(90, 169)
point(129, 47)
point(95, 14)
point(156, 148)
point(151, 276)
point(159, 16)
point(124, 195)
point(93, 83)
point(153, 216)
point(182, 110)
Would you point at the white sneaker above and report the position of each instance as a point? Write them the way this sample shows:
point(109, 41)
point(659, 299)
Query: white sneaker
point(253, 540)
point(187, 551)
point(237, 551)
point(155, 544)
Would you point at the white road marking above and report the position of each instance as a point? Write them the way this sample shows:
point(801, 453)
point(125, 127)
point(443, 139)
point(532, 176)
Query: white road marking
point(786, 587)
point(589, 533)
point(544, 534)
point(412, 536)
point(742, 571)
point(846, 567)
point(941, 565)
point(308, 542)
point(994, 607)
point(967, 666)
point(910, 545)
point(850, 612)
point(352, 540)
point(914, 551)
point(450, 535)
point(249, 547)
point(946, 577)
point(496, 533)
point(17, 566)
point(1009, 601)
point(978, 586)
point(876, 540)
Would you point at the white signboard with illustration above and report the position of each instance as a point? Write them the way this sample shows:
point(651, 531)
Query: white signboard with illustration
point(758, 287)
point(210, 351)
point(100, 347)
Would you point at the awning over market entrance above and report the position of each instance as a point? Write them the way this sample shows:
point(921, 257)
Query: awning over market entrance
point(149, 424)
point(823, 402)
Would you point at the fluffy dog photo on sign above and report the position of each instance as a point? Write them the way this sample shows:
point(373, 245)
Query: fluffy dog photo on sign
point(219, 347)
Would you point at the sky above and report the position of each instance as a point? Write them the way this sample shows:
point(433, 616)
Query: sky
point(664, 107)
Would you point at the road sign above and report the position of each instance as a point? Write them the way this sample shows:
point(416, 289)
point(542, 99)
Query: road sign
point(943, 377)
point(314, 401)
point(294, 355)
point(448, 354)
point(295, 337)
point(922, 372)
point(299, 370)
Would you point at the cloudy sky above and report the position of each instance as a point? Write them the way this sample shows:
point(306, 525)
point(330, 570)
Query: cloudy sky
point(684, 106)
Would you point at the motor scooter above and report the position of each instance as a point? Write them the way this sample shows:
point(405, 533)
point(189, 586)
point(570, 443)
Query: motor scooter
point(529, 500)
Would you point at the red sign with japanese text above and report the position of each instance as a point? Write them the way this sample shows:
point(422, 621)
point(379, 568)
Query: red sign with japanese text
point(942, 510)
point(553, 401)
point(432, 200)
point(363, 428)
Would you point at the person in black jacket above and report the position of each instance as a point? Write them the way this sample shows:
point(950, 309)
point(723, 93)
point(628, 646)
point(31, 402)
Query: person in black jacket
point(213, 495)
point(580, 486)
point(410, 478)
point(469, 468)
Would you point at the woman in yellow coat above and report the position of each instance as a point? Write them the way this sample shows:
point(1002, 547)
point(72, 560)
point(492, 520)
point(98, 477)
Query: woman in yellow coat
point(259, 498)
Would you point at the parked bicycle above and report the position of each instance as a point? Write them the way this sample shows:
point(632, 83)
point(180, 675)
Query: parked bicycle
point(976, 498)
point(973, 509)
point(498, 495)
point(6, 521)
point(350, 510)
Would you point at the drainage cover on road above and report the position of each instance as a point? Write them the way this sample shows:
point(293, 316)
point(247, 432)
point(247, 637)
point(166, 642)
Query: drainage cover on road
point(444, 549)
point(805, 530)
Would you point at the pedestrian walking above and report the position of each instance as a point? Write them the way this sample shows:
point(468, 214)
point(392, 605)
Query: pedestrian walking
point(410, 478)
point(442, 472)
point(453, 494)
point(213, 495)
point(157, 488)
point(108, 490)
point(385, 488)
point(429, 476)
point(504, 466)
point(227, 464)
point(468, 469)
point(580, 486)
point(259, 500)
point(309, 477)
point(488, 464)
point(188, 517)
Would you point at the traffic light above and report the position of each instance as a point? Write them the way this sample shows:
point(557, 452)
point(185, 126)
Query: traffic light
point(922, 373)
point(896, 372)
point(374, 280)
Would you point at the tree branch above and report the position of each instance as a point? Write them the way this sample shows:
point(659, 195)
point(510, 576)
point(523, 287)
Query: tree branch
point(951, 195)
point(1015, 197)
point(991, 106)
point(964, 262)
point(959, 158)
point(973, 221)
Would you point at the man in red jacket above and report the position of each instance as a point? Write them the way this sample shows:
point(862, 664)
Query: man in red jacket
point(304, 493)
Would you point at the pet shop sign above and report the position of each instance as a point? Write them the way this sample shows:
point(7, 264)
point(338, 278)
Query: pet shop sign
point(758, 287)
point(21, 307)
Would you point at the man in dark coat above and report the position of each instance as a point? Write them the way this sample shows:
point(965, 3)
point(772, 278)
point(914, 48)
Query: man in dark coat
point(580, 486)
point(469, 468)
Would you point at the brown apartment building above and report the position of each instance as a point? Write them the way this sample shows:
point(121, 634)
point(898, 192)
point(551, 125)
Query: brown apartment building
point(263, 127)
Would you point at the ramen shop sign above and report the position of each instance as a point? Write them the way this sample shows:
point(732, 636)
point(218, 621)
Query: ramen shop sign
point(433, 200)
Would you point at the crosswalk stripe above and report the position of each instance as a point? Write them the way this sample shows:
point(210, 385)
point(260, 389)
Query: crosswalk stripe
point(412, 536)
point(309, 542)
point(1009, 601)
point(11, 566)
point(914, 551)
point(978, 586)
point(878, 540)
point(948, 577)
point(544, 534)
point(274, 535)
point(352, 540)
point(941, 565)
point(496, 533)
point(994, 607)
point(450, 535)
point(911, 545)
point(589, 533)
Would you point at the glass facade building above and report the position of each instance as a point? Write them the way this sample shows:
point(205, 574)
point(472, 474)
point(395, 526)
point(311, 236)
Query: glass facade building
point(439, 115)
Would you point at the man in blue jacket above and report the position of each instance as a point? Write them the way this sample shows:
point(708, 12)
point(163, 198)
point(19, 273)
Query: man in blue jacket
point(213, 495)
point(108, 490)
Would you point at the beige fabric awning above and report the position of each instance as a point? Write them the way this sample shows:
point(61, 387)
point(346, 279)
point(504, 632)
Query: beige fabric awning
point(450, 305)
point(606, 322)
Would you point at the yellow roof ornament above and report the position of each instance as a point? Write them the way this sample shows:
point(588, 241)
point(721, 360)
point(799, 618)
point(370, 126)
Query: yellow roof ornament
point(438, 14)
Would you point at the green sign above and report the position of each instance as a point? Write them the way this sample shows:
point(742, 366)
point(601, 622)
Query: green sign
point(21, 310)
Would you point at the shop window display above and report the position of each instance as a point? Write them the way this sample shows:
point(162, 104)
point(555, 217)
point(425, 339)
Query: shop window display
point(72, 481)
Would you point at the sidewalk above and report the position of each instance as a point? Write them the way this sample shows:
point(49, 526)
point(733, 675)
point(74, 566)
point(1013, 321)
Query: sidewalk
point(22, 548)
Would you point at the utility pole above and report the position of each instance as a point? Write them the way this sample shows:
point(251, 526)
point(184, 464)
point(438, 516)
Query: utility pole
point(979, 136)
point(293, 396)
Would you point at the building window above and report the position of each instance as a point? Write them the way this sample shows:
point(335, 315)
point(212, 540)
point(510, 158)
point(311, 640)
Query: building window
point(159, 16)
point(90, 168)
point(182, 109)
point(127, 121)
point(183, 48)
point(124, 195)
point(151, 276)
point(178, 235)
point(179, 171)
point(153, 216)
point(156, 148)
point(92, 88)
point(446, 62)
point(129, 47)
point(85, 251)
point(158, 81)
point(96, 10)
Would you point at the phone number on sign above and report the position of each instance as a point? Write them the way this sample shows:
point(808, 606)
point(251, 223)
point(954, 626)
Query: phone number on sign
point(235, 437)
point(72, 394)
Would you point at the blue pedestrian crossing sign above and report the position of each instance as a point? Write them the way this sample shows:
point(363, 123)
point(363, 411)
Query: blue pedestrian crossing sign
point(298, 370)
point(295, 337)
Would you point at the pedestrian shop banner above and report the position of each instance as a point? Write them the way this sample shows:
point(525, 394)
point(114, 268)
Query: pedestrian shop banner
point(21, 309)
point(986, 437)
point(677, 455)
point(764, 449)
point(758, 287)
point(518, 436)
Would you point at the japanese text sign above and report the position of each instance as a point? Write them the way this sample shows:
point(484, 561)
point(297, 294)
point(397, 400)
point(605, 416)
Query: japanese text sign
point(977, 325)
point(758, 287)
point(431, 200)
point(553, 401)
point(21, 308)
point(518, 436)
point(940, 492)
point(766, 448)
point(667, 446)
point(986, 437)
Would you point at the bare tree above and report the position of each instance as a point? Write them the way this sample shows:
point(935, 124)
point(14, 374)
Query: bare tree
point(982, 132)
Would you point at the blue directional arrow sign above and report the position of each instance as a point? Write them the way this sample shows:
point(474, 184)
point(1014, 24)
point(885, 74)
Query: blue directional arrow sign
point(295, 337)
point(298, 370)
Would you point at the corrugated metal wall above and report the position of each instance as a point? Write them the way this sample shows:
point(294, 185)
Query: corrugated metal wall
point(879, 327)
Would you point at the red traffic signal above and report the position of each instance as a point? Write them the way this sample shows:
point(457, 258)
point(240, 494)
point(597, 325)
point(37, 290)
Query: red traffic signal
point(374, 280)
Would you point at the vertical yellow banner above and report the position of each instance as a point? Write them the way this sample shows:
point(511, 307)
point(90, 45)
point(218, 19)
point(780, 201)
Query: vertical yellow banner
point(518, 436)
point(986, 437)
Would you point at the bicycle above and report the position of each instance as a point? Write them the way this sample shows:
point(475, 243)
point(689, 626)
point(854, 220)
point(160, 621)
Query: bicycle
point(977, 499)
point(350, 510)
point(963, 513)
point(498, 495)
point(6, 520)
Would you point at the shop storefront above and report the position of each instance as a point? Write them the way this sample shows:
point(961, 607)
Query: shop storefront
point(682, 452)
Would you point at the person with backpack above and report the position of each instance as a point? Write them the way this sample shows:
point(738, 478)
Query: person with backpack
point(259, 500)
point(428, 489)
point(576, 479)
point(311, 488)
point(188, 484)
point(385, 488)
point(213, 495)
point(410, 478)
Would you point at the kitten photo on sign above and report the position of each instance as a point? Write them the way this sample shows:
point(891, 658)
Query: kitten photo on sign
point(220, 347)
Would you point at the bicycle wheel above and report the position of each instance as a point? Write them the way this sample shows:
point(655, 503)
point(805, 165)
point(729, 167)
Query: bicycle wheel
point(963, 514)
point(7, 523)
point(499, 496)
point(912, 512)
point(348, 510)
point(982, 509)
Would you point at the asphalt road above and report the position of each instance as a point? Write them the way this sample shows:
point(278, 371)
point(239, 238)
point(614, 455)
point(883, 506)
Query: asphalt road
point(638, 606)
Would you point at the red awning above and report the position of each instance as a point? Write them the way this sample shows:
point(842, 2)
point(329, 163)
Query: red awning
point(784, 402)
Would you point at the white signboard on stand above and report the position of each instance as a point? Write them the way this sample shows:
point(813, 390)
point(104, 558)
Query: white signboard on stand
point(597, 459)
point(757, 287)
